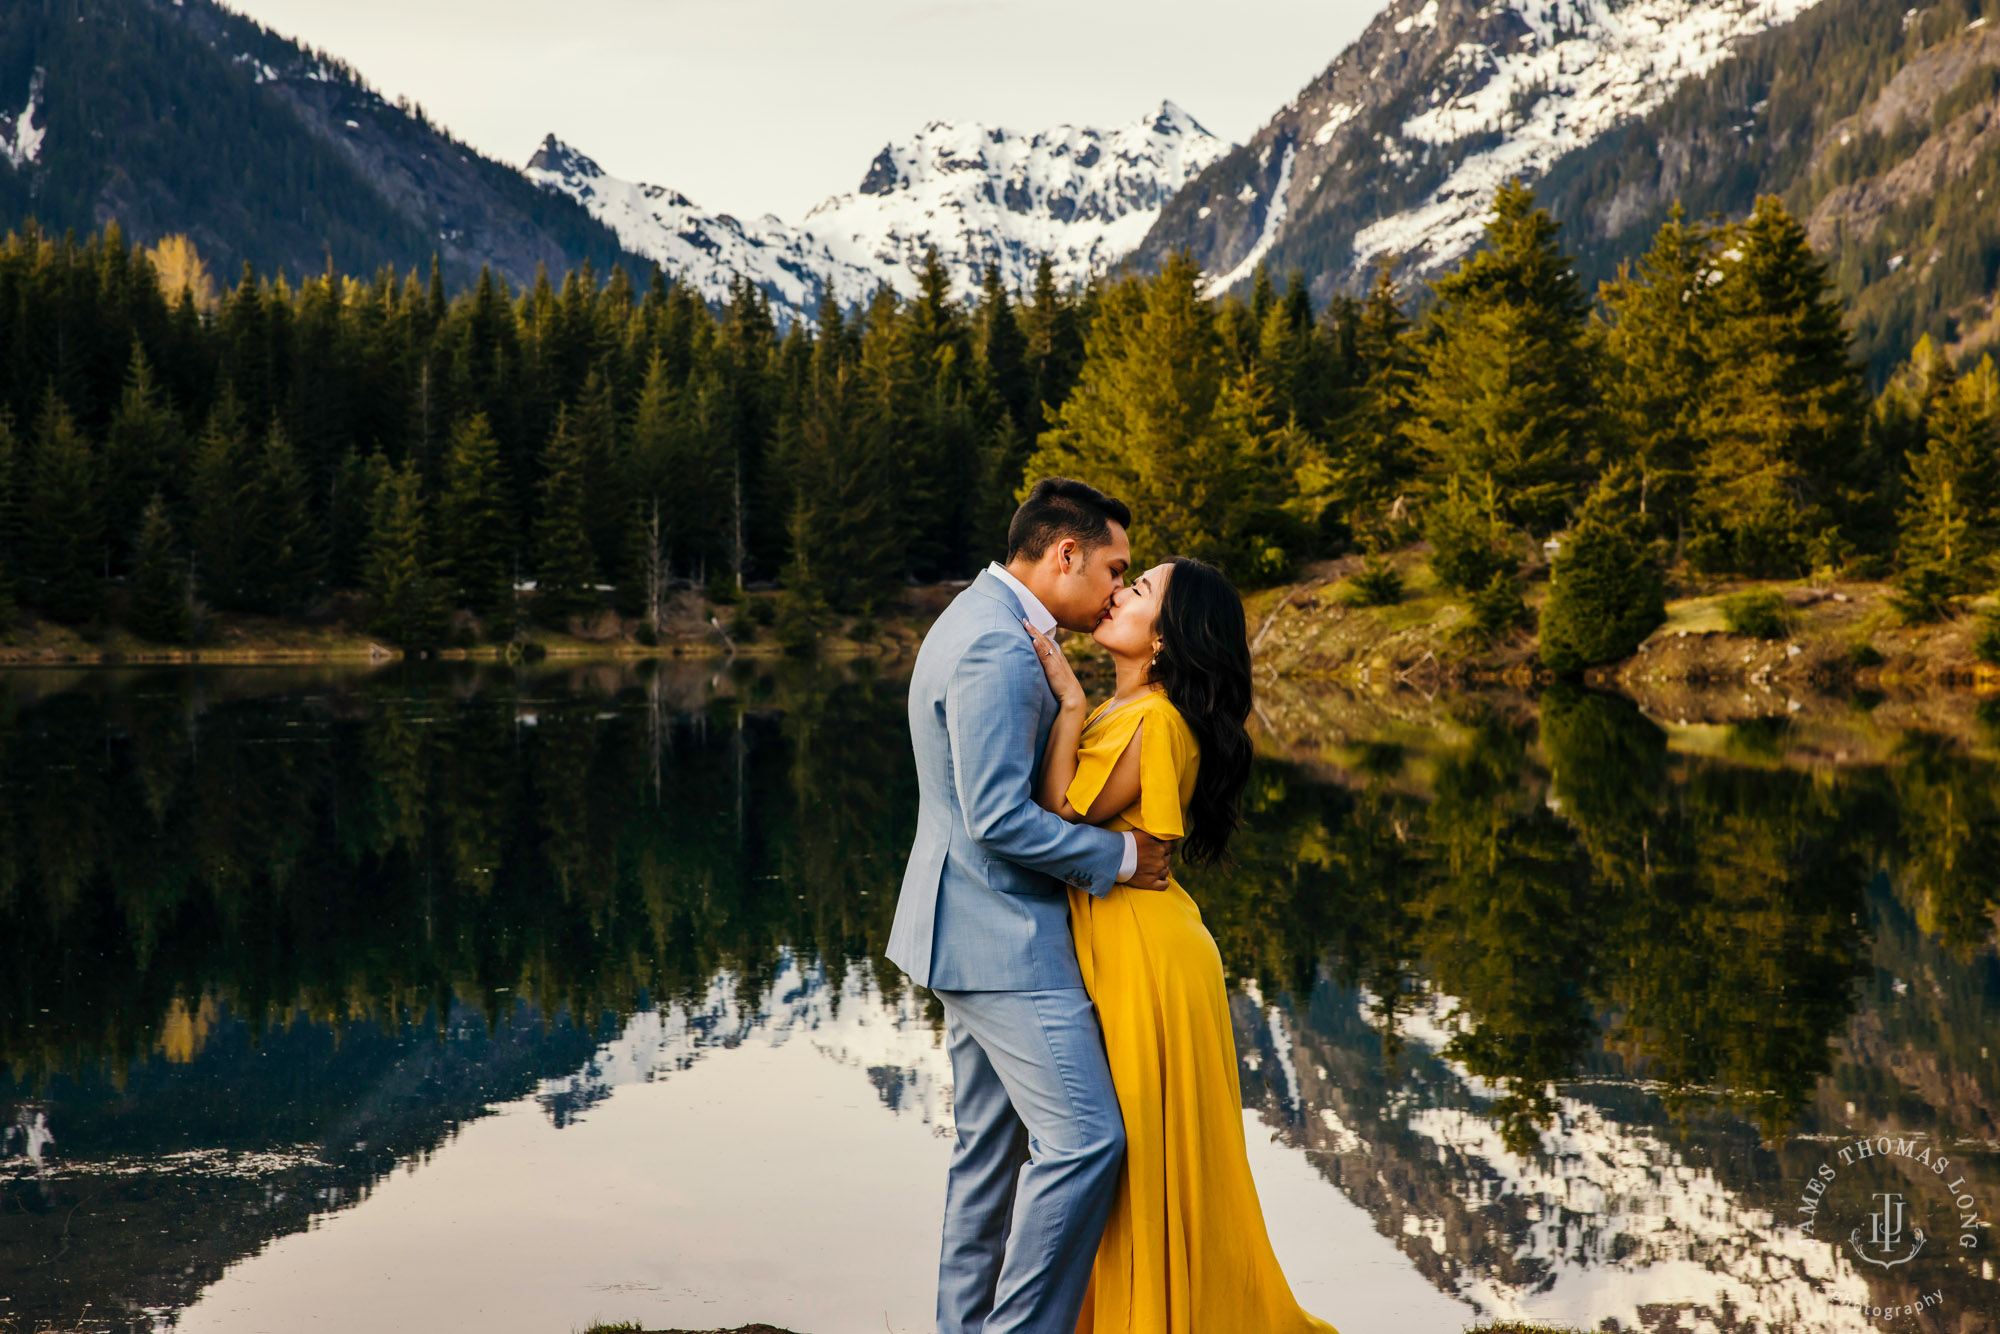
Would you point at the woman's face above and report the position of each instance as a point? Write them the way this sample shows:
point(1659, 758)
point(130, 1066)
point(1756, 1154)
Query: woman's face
point(1129, 627)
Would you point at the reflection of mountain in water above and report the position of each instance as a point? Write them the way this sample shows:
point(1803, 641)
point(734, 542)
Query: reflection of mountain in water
point(1625, 1218)
point(891, 1040)
point(1571, 1014)
point(210, 1155)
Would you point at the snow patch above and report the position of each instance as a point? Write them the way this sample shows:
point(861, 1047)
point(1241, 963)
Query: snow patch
point(1274, 221)
point(20, 137)
point(1584, 67)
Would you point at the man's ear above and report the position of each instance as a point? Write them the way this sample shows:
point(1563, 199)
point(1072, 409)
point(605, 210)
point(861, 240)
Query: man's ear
point(1065, 553)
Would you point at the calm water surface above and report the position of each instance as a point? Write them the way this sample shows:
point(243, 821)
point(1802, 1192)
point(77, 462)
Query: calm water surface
point(472, 1000)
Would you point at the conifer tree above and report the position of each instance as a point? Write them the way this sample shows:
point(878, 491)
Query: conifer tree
point(1054, 347)
point(1469, 543)
point(64, 537)
point(142, 456)
point(409, 606)
point(1605, 590)
point(1505, 380)
point(1780, 423)
point(1658, 368)
point(281, 543)
point(12, 479)
point(565, 573)
point(1374, 466)
point(224, 547)
point(1003, 349)
point(607, 473)
point(476, 525)
point(159, 609)
point(1161, 421)
point(1951, 518)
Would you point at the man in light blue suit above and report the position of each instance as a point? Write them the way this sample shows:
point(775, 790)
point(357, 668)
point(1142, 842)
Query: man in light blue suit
point(983, 921)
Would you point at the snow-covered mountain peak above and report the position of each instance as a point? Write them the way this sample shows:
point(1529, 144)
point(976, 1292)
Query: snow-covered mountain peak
point(1399, 144)
point(978, 194)
point(701, 248)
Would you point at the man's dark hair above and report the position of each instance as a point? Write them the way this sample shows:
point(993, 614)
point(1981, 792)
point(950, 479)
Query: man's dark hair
point(1062, 507)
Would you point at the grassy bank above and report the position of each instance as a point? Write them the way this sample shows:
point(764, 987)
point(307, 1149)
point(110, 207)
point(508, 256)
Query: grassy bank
point(1817, 637)
point(337, 631)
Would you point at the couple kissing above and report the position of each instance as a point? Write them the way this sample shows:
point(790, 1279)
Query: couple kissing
point(1099, 1182)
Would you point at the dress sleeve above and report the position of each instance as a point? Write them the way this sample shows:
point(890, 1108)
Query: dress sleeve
point(1166, 751)
point(1098, 755)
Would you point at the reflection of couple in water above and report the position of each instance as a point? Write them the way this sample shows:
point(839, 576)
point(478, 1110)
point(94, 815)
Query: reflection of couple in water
point(1100, 1180)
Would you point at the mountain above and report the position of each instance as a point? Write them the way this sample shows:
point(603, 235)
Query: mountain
point(979, 194)
point(698, 247)
point(170, 116)
point(1397, 147)
point(1878, 126)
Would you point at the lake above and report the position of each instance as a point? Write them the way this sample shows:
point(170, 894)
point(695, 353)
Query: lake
point(446, 997)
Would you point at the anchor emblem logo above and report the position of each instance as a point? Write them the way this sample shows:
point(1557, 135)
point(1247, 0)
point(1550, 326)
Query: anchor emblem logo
point(1885, 1234)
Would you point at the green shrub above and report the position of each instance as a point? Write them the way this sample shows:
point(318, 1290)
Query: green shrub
point(646, 634)
point(764, 611)
point(1377, 585)
point(1605, 593)
point(802, 619)
point(863, 630)
point(1467, 547)
point(1861, 653)
point(1497, 609)
point(742, 628)
point(1759, 613)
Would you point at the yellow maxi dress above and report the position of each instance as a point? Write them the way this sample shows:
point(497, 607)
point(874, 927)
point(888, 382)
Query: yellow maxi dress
point(1185, 1250)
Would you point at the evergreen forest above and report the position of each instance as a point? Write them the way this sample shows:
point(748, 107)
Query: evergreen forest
point(460, 465)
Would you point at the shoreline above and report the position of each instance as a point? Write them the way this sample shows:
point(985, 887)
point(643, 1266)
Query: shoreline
point(1839, 638)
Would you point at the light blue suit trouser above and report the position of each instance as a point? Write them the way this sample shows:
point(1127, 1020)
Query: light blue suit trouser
point(1040, 1142)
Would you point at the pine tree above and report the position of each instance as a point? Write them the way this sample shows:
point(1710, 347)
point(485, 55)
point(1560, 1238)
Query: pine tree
point(408, 596)
point(1605, 590)
point(223, 546)
point(566, 574)
point(607, 474)
point(846, 547)
point(64, 537)
point(1950, 521)
point(281, 541)
point(1161, 421)
point(160, 605)
point(1780, 423)
point(1505, 381)
point(1373, 466)
point(12, 481)
point(476, 525)
point(1658, 368)
point(1469, 543)
point(142, 456)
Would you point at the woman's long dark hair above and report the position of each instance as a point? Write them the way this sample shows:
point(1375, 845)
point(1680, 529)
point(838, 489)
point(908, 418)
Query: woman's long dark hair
point(1204, 665)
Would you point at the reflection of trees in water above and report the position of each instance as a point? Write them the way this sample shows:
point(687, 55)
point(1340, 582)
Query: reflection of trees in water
point(361, 858)
point(1571, 885)
point(381, 851)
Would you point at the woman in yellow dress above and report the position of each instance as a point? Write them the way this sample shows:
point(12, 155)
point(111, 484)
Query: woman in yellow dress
point(1185, 1250)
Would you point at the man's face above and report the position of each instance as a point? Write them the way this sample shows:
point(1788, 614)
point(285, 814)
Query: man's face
point(1086, 579)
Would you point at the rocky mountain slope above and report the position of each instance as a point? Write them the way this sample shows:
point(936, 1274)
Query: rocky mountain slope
point(1397, 147)
point(180, 116)
point(1877, 124)
point(981, 195)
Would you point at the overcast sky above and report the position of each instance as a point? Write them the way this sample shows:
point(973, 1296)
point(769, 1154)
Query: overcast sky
point(754, 106)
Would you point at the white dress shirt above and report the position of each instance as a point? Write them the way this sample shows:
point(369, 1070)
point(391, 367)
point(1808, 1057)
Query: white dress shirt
point(1038, 616)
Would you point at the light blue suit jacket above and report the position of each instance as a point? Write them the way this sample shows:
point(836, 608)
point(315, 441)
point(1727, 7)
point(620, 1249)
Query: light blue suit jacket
point(984, 905)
